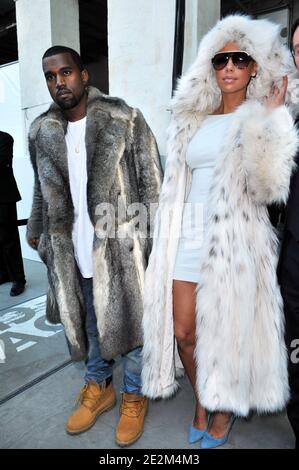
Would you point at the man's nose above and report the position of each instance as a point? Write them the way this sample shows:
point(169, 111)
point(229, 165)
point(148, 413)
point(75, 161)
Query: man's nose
point(60, 81)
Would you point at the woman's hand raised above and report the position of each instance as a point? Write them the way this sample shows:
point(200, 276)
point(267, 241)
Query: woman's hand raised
point(276, 96)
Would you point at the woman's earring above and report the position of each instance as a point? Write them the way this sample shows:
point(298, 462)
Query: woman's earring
point(253, 76)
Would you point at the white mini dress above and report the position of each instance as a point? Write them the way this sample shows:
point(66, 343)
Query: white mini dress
point(202, 153)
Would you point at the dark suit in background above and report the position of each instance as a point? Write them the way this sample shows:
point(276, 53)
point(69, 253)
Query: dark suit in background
point(288, 275)
point(11, 263)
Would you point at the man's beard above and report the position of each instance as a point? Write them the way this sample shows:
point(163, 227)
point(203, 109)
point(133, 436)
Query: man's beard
point(67, 104)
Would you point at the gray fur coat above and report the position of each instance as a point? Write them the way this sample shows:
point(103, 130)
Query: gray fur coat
point(240, 352)
point(123, 168)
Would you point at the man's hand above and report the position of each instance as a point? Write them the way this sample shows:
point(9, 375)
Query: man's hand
point(276, 96)
point(33, 242)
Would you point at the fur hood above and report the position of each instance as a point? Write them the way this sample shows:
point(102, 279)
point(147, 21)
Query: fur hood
point(198, 94)
point(198, 91)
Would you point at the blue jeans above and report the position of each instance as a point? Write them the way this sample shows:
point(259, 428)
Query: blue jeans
point(98, 369)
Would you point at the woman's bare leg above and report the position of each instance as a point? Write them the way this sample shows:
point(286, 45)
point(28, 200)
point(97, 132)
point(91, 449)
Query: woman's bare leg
point(184, 330)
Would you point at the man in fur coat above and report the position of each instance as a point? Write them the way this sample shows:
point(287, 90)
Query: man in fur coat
point(96, 165)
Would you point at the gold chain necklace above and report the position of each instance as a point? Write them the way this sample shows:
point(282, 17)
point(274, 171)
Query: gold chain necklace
point(77, 145)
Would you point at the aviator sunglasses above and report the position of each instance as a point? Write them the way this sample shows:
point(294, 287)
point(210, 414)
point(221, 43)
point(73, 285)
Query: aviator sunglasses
point(240, 59)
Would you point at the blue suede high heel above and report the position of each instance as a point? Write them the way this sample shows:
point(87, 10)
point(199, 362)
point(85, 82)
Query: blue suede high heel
point(209, 442)
point(195, 434)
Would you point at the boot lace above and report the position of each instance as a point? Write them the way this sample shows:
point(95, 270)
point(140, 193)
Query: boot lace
point(87, 397)
point(131, 408)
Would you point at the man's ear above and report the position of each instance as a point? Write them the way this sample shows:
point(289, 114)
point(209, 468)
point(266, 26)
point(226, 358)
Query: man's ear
point(85, 76)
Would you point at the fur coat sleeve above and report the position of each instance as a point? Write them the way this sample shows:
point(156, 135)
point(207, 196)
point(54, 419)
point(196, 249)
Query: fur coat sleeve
point(35, 222)
point(268, 140)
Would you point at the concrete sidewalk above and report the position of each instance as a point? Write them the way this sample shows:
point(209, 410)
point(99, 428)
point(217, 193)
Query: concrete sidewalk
point(35, 418)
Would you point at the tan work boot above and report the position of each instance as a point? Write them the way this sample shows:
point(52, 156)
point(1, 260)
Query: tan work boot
point(94, 399)
point(132, 413)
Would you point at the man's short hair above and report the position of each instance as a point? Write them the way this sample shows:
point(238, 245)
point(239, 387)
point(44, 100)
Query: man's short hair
point(54, 50)
point(294, 27)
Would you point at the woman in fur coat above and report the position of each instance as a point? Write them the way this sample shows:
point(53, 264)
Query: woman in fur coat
point(213, 265)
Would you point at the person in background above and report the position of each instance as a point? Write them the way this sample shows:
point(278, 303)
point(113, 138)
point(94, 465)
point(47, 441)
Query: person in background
point(288, 273)
point(11, 262)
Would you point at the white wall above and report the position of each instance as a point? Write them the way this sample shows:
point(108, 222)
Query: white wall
point(140, 42)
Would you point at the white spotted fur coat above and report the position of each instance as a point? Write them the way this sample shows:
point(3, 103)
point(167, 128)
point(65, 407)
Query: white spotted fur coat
point(240, 353)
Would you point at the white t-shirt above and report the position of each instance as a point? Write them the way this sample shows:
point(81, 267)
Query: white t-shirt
point(83, 230)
